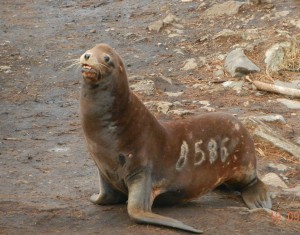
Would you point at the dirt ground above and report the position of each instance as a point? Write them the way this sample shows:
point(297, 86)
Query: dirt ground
point(46, 175)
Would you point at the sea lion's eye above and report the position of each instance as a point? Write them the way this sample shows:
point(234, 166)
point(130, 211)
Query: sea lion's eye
point(106, 58)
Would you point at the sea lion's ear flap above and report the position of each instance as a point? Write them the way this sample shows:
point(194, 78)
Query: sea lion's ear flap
point(121, 68)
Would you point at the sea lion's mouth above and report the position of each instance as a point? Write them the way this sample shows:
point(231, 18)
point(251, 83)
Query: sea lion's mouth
point(89, 72)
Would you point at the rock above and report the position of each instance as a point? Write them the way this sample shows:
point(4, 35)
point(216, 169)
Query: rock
point(281, 14)
point(166, 79)
point(209, 109)
point(274, 56)
point(221, 57)
point(251, 34)
point(202, 61)
point(161, 106)
point(274, 180)
point(298, 142)
point(59, 150)
point(170, 19)
point(228, 8)
point(295, 84)
point(218, 73)
point(277, 140)
point(93, 31)
point(260, 1)
point(278, 167)
point(174, 94)
point(145, 86)
point(291, 104)
point(225, 33)
point(5, 68)
point(237, 86)
point(295, 23)
point(173, 35)
point(164, 107)
point(156, 26)
point(270, 118)
point(178, 51)
point(204, 102)
point(131, 35)
point(295, 191)
point(159, 24)
point(190, 64)
point(237, 64)
point(177, 103)
point(136, 78)
point(180, 112)
point(197, 85)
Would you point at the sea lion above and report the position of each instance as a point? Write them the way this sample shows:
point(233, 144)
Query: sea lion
point(140, 159)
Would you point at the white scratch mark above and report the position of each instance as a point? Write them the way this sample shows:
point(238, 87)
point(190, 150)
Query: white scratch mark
point(212, 148)
point(199, 154)
point(183, 156)
point(224, 151)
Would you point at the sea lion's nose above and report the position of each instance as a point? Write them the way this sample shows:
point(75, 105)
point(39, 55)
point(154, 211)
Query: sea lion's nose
point(87, 56)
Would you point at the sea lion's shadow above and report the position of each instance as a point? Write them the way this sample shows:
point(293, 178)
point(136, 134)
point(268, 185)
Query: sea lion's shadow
point(220, 197)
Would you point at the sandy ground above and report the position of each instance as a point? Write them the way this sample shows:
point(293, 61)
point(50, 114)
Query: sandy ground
point(46, 174)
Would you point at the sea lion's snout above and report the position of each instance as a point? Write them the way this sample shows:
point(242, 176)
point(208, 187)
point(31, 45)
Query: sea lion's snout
point(87, 56)
point(89, 66)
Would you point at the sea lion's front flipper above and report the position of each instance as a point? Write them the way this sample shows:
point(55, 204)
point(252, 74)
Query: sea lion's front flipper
point(107, 195)
point(256, 195)
point(140, 202)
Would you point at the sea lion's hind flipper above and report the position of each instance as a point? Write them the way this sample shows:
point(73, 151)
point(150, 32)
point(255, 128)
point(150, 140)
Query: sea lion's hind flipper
point(107, 195)
point(256, 195)
point(151, 218)
point(140, 202)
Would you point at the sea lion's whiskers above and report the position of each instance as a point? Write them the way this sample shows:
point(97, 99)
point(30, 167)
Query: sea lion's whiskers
point(103, 65)
point(100, 71)
point(75, 63)
point(72, 60)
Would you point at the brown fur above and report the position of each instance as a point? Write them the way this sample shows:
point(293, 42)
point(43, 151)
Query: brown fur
point(142, 159)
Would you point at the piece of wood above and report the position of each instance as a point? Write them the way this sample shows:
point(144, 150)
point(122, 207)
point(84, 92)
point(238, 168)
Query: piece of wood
point(276, 89)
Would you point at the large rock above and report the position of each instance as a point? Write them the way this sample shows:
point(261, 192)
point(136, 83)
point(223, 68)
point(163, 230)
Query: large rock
point(274, 57)
point(238, 65)
point(235, 85)
point(277, 140)
point(270, 118)
point(274, 180)
point(228, 8)
point(295, 84)
point(291, 104)
point(278, 167)
point(294, 191)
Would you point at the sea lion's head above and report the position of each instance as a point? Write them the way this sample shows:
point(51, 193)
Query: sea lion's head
point(100, 63)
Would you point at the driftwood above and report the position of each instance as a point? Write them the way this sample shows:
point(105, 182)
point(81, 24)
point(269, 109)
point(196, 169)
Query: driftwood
point(276, 89)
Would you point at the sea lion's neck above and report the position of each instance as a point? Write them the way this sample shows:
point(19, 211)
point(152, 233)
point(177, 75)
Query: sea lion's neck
point(102, 103)
point(112, 110)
